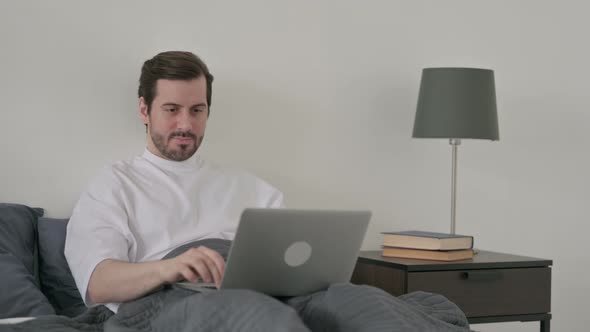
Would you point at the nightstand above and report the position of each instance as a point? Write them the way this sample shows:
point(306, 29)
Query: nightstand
point(491, 287)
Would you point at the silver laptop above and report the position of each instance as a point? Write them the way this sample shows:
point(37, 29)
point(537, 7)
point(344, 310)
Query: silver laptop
point(287, 252)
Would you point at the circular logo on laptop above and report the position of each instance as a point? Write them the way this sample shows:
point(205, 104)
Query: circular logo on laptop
point(297, 254)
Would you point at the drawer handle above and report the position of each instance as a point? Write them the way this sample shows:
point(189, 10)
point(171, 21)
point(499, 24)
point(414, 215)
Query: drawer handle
point(482, 275)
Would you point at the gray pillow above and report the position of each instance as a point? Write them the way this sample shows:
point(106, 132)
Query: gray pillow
point(18, 281)
point(57, 282)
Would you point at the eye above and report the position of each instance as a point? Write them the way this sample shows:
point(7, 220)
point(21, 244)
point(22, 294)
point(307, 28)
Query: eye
point(198, 110)
point(170, 109)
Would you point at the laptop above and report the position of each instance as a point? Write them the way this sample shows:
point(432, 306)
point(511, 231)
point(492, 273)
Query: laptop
point(289, 252)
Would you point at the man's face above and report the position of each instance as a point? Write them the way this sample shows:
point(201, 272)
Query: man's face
point(177, 119)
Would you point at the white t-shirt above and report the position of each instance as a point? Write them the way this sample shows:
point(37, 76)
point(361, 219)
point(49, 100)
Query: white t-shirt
point(141, 209)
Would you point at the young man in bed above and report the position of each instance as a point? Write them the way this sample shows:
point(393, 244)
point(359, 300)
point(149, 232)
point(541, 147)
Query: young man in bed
point(136, 212)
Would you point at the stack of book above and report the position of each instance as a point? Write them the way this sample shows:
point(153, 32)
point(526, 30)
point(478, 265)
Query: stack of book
point(427, 245)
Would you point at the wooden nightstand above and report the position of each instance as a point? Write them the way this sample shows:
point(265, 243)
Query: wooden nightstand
point(491, 287)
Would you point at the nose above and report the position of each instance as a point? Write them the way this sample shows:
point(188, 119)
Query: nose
point(184, 121)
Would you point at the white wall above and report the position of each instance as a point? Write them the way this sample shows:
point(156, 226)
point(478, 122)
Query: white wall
point(319, 99)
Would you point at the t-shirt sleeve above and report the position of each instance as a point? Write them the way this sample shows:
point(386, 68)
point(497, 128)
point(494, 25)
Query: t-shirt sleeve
point(98, 230)
point(267, 196)
point(275, 199)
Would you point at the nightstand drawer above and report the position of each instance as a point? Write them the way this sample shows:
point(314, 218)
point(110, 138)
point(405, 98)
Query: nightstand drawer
point(489, 292)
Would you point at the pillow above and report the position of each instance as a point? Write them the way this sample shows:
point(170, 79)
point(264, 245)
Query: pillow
point(18, 281)
point(57, 282)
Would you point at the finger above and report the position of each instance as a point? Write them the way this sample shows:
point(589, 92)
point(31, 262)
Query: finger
point(194, 258)
point(216, 274)
point(216, 267)
point(201, 268)
point(216, 257)
point(211, 259)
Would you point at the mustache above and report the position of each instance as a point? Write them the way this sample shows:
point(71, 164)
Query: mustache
point(183, 134)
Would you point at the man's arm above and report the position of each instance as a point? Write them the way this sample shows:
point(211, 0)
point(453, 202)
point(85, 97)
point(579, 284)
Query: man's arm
point(118, 281)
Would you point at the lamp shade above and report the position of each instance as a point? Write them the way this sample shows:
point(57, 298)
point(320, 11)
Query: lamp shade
point(456, 103)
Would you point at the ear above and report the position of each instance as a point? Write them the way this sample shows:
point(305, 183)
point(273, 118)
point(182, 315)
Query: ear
point(143, 111)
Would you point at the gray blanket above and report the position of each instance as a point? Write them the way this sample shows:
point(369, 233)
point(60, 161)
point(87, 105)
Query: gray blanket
point(342, 307)
point(173, 309)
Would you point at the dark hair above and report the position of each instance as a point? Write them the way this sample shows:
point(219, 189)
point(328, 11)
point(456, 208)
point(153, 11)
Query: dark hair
point(172, 65)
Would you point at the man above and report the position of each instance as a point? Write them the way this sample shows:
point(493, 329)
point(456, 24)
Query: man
point(136, 212)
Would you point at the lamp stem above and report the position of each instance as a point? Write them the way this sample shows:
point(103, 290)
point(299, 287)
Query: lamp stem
point(455, 142)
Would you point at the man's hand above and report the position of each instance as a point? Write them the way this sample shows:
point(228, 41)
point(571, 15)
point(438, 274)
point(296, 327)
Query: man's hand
point(117, 281)
point(195, 264)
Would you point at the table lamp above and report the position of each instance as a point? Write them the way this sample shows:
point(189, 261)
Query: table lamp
point(456, 104)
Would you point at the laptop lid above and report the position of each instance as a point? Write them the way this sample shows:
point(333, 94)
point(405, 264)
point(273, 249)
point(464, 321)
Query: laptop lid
point(288, 252)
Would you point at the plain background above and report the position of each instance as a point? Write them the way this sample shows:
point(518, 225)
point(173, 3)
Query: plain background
point(318, 98)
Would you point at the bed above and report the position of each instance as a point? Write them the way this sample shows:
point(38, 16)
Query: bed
point(38, 292)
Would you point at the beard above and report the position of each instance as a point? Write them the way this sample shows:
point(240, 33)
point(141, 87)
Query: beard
point(180, 153)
